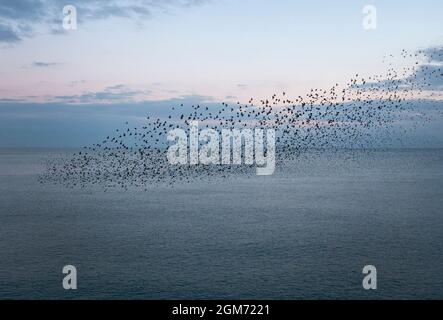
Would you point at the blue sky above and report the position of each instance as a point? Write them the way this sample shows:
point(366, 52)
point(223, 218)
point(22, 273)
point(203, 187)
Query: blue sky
point(136, 51)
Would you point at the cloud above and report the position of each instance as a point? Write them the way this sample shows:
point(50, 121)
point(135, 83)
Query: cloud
point(113, 94)
point(75, 83)
point(7, 35)
point(58, 124)
point(426, 76)
point(434, 54)
point(429, 76)
point(40, 64)
point(19, 18)
point(11, 100)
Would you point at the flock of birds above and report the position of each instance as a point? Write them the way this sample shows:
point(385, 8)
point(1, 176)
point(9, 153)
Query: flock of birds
point(361, 114)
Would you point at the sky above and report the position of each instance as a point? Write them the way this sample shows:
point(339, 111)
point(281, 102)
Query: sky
point(136, 52)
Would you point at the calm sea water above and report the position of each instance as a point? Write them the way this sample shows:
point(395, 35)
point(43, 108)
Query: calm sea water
point(305, 232)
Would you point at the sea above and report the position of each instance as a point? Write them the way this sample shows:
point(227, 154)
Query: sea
point(305, 232)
